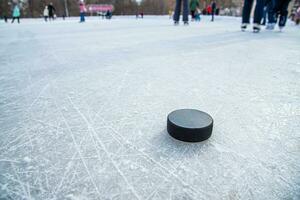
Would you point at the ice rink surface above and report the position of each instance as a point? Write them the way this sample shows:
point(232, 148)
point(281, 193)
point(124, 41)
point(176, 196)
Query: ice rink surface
point(83, 110)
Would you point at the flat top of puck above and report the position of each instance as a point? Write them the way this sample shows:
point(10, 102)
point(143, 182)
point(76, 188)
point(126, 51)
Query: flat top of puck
point(190, 118)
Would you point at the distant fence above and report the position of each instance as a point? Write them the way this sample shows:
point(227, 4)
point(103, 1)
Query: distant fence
point(96, 8)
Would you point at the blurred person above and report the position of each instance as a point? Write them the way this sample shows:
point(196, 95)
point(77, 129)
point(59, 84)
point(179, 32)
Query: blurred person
point(82, 10)
point(140, 14)
point(268, 11)
point(297, 16)
point(227, 11)
point(258, 13)
point(51, 10)
point(264, 17)
point(108, 14)
point(194, 4)
point(280, 13)
point(198, 15)
point(185, 13)
point(5, 18)
point(208, 10)
point(217, 11)
point(213, 10)
point(16, 13)
point(46, 13)
point(171, 13)
point(270, 7)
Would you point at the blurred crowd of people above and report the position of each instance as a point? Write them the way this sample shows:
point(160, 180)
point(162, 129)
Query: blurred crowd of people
point(266, 13)
point(192, 7)
point(49, 12)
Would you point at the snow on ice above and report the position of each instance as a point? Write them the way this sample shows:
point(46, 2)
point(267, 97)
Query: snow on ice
point(83, 110)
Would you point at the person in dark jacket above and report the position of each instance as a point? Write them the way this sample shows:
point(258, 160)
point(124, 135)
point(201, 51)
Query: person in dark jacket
point(213, 10)
point(258, 13)
point(108, 14)
point(194, 5)
point(51, 11)
point(178, 11)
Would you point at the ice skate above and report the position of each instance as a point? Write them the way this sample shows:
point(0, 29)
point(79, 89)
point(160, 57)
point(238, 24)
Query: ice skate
point(243, 27)
point(282, 22)
point(281, 28)
point(270, 26)
point(256, 28)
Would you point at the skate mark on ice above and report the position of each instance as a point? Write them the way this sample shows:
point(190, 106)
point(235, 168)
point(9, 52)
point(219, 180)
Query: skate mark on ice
point(78, 150)
point(147, 157)
point(105, 150)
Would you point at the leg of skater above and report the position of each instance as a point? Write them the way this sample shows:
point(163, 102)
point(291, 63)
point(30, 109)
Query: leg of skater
point(186, 12)
point(193, 14)
point(264, 17)
point(276, 8)
point(246, 14)
point(82, 19)
point(177, 11)
point(258, 13)
point(283, 13)
point(271, 15)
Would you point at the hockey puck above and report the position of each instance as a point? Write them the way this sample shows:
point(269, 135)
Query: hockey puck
point(189, 125)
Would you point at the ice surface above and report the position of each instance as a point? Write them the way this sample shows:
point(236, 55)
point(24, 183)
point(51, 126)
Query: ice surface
point(83, 110)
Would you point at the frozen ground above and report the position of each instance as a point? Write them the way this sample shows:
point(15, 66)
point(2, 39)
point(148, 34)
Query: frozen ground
point(83, 110)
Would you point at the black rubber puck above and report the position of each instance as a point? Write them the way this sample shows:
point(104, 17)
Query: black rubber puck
point(189, 125)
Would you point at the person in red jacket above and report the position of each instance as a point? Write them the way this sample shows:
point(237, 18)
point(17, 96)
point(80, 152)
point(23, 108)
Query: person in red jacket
point(208, 9)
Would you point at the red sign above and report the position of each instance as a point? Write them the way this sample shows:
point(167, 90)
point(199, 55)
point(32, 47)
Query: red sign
point(99, 7)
